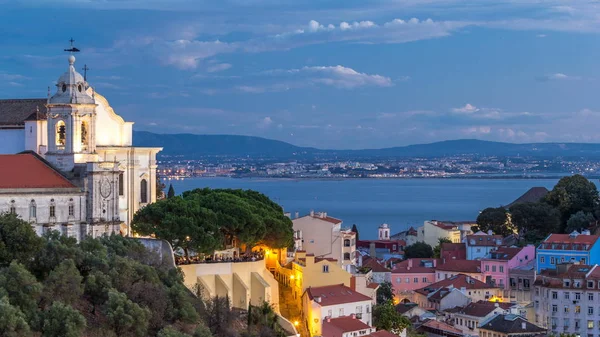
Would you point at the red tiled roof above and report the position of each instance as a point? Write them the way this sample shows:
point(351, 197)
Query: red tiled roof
point(457, 281)
point(375, 266)
point(330, 259)
point(463, 266)
point(344, 324)
point(373, 285)
point(482, 309)
point(551, 278)
point(335, 294)
point(447, 246)
point(381, 333)
point(568, 242)
point(403, 267)
point(326, 218)
point(484, 240)
point(433, 324)
point(27, 170)
point(504, 253)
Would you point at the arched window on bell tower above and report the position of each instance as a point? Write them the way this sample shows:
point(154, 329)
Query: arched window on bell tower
point(84, 135)
point(144, 191)
point(61, 134)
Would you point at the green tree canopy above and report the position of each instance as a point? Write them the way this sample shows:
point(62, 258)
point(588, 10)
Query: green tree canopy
point(496, 220)
point(13, 322)
point(355, 230)
point(579, 221)
point(385, 317)
point(202, 219)
point(64, 283)
point(125, 317)
point(571, 195)
point(61, 320)
point(535, 220)
point(418, 250)
point(437, 250)
point(385, 293)
point(22, 288)
point(171, 192)
point(18, 241)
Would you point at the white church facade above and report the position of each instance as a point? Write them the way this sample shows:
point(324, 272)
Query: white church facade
point(77, 134)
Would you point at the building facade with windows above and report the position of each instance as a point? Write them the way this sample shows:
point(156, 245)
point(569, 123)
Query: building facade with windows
point(325, 237)
point(432, 231)
point(481, 244)
point(576, 247)
point(79, 134)
point(330, 302)
point(42, 196)
point(412, 274)
point(497, 264)
point(567, 299)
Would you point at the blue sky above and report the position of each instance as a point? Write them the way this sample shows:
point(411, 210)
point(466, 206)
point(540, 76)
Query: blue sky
point(330, 74)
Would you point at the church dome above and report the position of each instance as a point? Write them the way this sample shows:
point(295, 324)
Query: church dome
point(71, 87)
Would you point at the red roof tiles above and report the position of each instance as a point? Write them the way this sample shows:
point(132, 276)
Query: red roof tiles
point(335, 294)
point(462, 266)
point(569, 242)
point(343, 324)
point(441, 326)
point(457, 281)
point(484, 240)
point(381, 333)
point(27, 170)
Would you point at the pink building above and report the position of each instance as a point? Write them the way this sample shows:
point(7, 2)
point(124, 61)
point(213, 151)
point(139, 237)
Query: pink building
point(412, 274)
point(496, 264)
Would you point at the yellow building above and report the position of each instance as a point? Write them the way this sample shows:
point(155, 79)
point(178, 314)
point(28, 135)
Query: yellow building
point(306, 270)
point(432, 231)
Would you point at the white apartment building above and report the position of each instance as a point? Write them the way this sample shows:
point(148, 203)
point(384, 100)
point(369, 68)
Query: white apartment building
point(324, 236)
point(568, 300)
point(433, 230)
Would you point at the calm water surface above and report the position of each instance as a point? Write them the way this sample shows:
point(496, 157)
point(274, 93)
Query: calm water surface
point(370, 202)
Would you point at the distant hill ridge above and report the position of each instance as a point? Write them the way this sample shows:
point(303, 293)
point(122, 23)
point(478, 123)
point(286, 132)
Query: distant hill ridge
point(194, 146)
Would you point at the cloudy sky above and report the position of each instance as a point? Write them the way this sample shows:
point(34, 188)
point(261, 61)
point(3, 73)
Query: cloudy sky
point(324, 73)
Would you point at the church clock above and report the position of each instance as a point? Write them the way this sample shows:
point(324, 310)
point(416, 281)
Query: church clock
point(105, 188)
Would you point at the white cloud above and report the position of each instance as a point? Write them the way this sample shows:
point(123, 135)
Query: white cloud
point(12, 77)
point(467, 109)
point(557, 77)
point(346, 78)
point(218, 67)
point(186, 54)
point(265, 123)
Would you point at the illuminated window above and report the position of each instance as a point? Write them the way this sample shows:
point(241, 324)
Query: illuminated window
point(61, 133)
point(84, 134)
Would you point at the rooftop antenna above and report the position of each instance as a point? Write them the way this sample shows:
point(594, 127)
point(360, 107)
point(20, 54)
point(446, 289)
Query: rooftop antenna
point(48, 100)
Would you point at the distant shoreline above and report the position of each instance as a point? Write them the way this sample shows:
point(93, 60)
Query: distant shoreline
point(467, 177)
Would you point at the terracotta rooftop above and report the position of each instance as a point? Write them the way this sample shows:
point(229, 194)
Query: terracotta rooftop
point(554, 278)
point(375, 266)
point(28, 170)
point(503, 253)
point(457, 281)
point(447, 246)
point(484, 240)
point(373, 285)
point(344, 324)
point(415, 265)
point(335, 294)
point(325, 217)
point(433, 324)
point(319, 259)
point(511, 324)
point(569, 242)
point(17, 111)
point(482, 309)
point(463, 266)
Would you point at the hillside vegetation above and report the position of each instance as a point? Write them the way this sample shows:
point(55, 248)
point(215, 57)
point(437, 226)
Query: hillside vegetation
point(110, 286)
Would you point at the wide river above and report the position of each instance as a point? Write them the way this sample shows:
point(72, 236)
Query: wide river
point(370, 202)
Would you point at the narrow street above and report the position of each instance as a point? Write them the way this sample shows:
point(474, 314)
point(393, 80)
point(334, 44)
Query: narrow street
point(290, 309)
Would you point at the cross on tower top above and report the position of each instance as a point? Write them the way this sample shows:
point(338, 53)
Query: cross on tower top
point(72, 49)
point(85, 69)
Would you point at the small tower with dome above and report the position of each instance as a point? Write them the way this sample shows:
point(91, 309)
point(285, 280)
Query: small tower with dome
point(71, 121)
point(384, 232)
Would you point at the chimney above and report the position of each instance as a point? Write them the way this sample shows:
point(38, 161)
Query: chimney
point(523, 326)
point(490, 232)
point(434, 262)
point(323, 215)
point(496, 305)
point(372, 250)
point(353, 282)
point(463, 290)
point(296, 215)
point(353, 316)
point(328, 319)
point(318, 299)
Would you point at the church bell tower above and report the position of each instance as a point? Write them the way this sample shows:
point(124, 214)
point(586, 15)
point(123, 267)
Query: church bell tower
point(71, 120)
